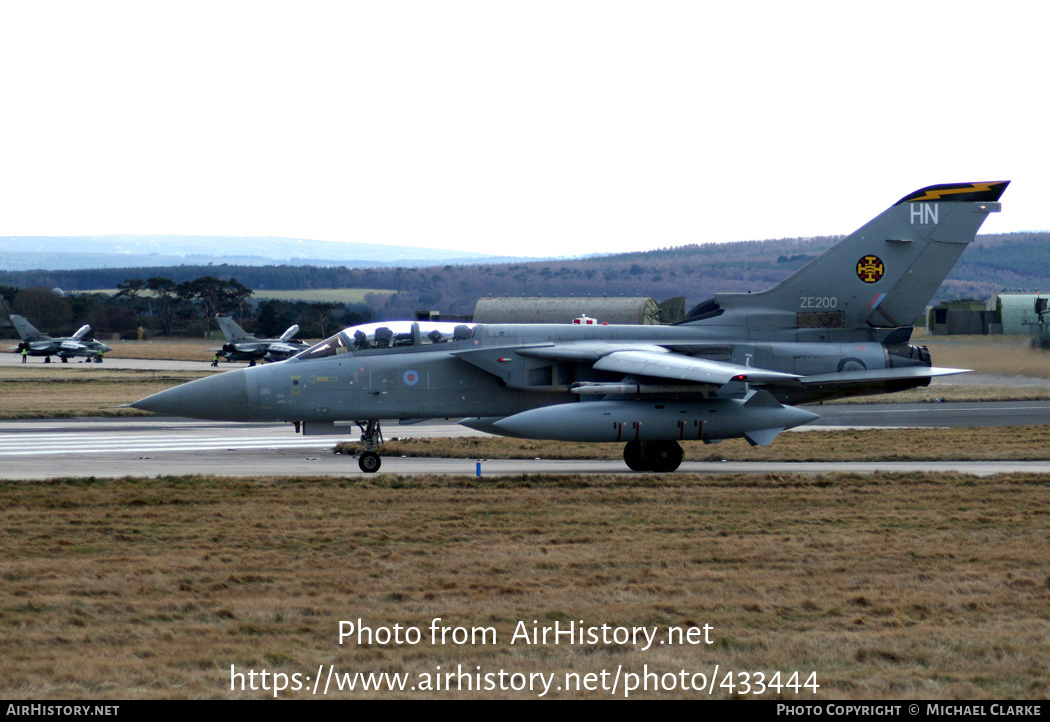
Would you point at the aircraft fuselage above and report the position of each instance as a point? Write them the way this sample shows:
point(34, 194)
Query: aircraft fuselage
point(490, 375)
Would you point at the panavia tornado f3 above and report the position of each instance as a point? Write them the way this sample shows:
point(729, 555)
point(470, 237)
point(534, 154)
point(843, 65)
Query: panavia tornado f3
point(242, 346)
point(37, 343)
point(735, 367)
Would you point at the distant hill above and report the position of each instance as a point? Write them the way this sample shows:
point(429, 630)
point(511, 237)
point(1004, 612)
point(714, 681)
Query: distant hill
point(1016, 261)
point(1001, 262)
point(24, 253)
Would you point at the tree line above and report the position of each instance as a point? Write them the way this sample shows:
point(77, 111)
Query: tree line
point(159, 305)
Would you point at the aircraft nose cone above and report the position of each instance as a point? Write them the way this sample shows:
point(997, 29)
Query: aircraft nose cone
point(223, 397)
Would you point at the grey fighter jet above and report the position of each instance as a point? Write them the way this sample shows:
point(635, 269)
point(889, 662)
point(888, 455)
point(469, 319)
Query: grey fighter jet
point(735, 367)
point(40, 344)
point(242, 346)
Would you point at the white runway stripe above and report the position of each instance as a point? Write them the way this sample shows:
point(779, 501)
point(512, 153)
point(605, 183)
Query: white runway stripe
point(116, 439)
point(75, 444)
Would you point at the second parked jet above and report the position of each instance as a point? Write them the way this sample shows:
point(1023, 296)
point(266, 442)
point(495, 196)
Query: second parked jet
point(242, 346)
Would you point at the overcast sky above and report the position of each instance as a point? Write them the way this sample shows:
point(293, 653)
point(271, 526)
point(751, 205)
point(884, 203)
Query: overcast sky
point(529, 128)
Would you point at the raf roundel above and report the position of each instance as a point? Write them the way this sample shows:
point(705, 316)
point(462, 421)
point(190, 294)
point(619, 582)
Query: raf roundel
point(870, 269)
point(411, 378)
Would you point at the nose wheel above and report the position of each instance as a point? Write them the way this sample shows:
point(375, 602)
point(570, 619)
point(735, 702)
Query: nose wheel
point(369, 462)
point(371, 435)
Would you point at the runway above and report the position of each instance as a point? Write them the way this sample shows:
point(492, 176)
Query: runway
point(108, 448)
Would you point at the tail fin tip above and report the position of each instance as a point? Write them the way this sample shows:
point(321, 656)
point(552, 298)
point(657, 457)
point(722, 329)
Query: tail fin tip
point(988, 192)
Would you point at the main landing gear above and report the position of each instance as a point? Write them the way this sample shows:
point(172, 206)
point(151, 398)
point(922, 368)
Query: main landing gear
point(658, 456)
point(371, 434)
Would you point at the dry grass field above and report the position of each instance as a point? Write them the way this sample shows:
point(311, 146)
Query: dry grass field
point(888, 587)
point(183, 349)
point(958, 393)
point(333, 295)
point(1000, 355)
point(68, 390)
point(32, 400)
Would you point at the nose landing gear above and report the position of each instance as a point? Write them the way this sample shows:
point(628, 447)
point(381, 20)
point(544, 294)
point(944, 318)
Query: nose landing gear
point(371, 434)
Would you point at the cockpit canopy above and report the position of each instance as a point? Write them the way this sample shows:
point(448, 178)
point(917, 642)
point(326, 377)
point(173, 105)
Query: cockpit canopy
point(387, 335)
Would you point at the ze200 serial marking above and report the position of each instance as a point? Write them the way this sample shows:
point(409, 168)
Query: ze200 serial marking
point(818, 302)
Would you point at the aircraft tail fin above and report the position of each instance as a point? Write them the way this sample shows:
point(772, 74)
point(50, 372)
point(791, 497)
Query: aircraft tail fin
point(881, 275)
point(26, 330)
point(231, 329)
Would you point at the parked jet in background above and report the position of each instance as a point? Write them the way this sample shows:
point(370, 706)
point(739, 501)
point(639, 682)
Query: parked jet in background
point(40, 344)
point(838, 327)
point(242, 346)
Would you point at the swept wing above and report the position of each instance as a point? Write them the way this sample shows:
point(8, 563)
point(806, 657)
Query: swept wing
point(655, 362)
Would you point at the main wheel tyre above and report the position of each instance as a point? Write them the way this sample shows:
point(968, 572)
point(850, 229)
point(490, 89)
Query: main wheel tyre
point(664, 456)
point(632, 456)
point(369, 462)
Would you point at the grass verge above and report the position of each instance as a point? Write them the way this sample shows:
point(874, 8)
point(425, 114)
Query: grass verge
point(887, 586)
point(80, 391)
